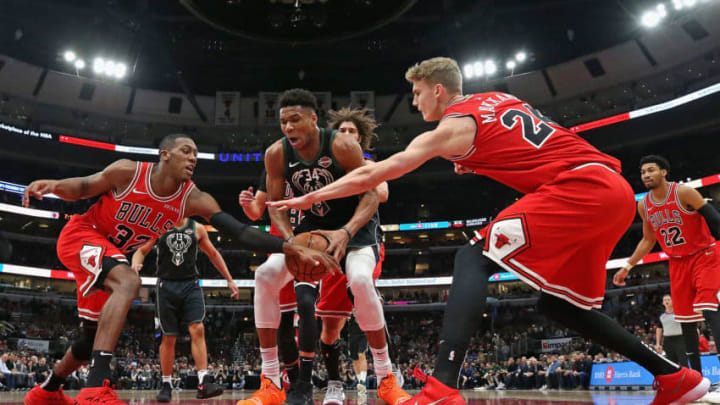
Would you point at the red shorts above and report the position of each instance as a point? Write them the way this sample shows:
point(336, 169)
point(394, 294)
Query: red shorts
point(81, 248)
point(559, 237)
point(288, 302)
point(695, 284)
point(334, 300)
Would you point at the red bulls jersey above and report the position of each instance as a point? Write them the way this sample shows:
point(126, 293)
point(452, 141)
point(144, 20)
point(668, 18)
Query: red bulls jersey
point(680, 232)
point(518, 146)
point(137, 214)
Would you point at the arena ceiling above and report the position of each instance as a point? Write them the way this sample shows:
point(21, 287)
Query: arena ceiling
point(201, 46)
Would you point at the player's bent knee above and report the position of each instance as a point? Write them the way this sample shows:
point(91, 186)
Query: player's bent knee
point(197, 329)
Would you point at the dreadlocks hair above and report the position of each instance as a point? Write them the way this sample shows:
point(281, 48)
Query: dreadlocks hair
point(363, 120)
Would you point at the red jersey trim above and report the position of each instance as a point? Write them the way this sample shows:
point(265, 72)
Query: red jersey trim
point(184, 200)
point(680, 204)
point(133, 183)
point(664, 201)
point(152, 194)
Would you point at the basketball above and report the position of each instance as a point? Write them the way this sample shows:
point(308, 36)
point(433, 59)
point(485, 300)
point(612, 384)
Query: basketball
point(301, 271)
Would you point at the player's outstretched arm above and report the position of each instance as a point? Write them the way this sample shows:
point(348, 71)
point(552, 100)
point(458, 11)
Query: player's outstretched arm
point(452, 137)
point(349, 156)
point(215, 258)
point(138, 257)
point(202, 204)
point(116, 176)
point(643, 248)
point(692, 198)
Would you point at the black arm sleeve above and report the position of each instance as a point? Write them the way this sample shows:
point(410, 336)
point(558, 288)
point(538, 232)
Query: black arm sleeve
point(262, 184)
point(248, 237)
point(712, 218)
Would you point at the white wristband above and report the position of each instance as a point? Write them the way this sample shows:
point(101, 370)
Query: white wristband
point(627, 266)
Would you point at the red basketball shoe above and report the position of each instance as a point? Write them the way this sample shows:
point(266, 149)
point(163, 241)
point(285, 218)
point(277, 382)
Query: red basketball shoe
point(41, 396)
point(98, 396)
point(434, 392)
point(679, 388)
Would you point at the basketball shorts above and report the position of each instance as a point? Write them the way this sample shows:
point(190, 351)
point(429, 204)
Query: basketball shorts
point(695, 284)
point(559, 237)
point(179, 303)
point(335, 300)
point(288, 302)
point(90, 256)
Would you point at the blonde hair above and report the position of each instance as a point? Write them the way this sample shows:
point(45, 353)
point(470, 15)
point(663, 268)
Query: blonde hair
point(438, 70)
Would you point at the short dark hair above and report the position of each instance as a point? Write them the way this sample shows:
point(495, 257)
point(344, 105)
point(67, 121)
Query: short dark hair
point(295, 97)
point(169, 141)
point(662, 163)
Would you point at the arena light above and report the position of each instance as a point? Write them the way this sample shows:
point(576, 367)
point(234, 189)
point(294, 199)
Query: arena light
point(490, 67)
point(521, 56)
point(468, 70)
point(99, 65)
point(650, 19)
point(120, 70)
point(79, 64)
point(510, 65)
point(478, 69)
point(661, 10)
point(678, 4)
point(69, 56)
point(689, 3)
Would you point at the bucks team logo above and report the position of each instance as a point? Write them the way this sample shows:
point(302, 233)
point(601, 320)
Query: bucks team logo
point(179, 243)
point(309, 180)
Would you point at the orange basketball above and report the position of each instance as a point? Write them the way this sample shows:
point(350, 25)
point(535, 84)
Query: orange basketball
point(304, 272)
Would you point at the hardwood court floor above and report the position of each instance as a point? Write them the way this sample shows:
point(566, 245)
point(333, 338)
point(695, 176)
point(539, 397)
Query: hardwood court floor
point(473, 397)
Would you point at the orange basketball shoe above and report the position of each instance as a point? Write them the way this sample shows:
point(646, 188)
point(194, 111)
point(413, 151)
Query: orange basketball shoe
point(390, 392)
point(268, 394)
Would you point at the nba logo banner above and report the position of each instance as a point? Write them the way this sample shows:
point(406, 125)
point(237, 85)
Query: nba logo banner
point(267, 111)
point(227, 108)
point(362, 99)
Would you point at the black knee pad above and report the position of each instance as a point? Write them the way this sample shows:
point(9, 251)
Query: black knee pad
point(82, 348)
point(306, 309)
point(286, 338)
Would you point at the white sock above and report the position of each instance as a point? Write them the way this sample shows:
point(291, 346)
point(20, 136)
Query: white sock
point(381, 360)
point(167, 379)
point(270, 364)
point(201, 375)
point(362, 377)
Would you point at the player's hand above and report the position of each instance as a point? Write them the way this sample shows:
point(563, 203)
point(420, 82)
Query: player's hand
point(619, 277)
point(137, 267)
point(460, 169)
point(37, 189)
point(298, 203)
point(246, 197)
point(659, 349)
point(338, 239)
point(235, 291)
point(313, 257)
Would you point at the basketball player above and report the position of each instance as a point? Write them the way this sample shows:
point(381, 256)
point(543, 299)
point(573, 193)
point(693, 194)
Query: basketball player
point(180, 299)
point(687, 228)
point(557, 238)
point(310, 158)
point(335, 304)
point(254, 207)
point(139, 201)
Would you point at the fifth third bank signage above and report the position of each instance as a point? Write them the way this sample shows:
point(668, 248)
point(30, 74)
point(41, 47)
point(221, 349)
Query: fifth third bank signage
point(630, 373)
